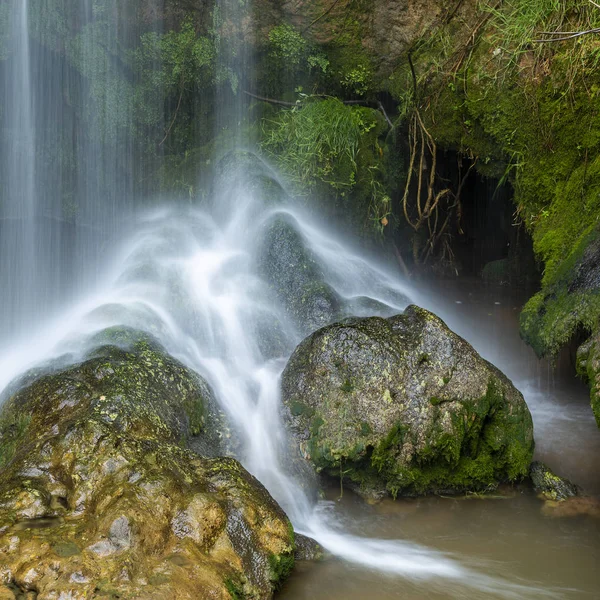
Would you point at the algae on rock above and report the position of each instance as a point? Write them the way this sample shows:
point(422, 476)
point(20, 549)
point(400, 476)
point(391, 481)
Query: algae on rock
point(549, 485)
point(100, 493)
point(403, 405)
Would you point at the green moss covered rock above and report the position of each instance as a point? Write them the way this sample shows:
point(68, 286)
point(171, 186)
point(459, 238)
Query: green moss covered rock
point(403, 405)
point(100, 494)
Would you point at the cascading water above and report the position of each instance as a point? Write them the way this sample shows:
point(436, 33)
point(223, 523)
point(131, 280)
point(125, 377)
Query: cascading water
point(17, 210)
point(192, 281)
point(188, 276)
point(68, 157)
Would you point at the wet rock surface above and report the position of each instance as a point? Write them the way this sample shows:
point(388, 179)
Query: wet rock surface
point(308, 549)
point(405, 406)
point(587, 272)
point(549, 485)
point(295, 276)
point(588, 367)
point(100, 494)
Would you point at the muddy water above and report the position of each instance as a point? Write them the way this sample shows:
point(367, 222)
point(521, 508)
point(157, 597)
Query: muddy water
point(511, 535)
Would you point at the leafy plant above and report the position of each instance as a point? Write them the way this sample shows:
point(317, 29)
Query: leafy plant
point(331, 148)
point(288, 46)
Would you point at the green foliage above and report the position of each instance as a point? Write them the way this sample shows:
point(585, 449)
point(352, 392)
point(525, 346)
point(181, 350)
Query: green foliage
point(328, 146)
point(288, 46)
point(287, 43)
point(357, 80)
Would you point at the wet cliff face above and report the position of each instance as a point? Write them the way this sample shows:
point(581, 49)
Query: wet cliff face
point(352, 30)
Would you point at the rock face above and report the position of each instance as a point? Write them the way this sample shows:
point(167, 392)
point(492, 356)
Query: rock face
point(295, 275)
point(588, 366)
point(551, 486)
point(100, 495)
point(403, 405)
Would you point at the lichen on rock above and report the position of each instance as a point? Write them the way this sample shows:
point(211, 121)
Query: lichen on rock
point(100, 493)
point(405, 406)
point(550, 485)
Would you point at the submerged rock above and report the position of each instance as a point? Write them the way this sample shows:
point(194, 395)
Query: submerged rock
point(575, 506)
point(100, 494)
point(295, 275)
point(551, 486)
point(405, 406)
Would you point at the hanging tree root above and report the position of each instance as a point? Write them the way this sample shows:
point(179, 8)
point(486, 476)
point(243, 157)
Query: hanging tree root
point(427, 209)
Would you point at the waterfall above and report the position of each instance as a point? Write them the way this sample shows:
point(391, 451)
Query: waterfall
point(187, 275)
point(18, 210)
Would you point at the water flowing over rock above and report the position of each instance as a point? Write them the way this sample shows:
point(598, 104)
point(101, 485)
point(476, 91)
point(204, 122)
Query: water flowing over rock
point(403, 405)
point(101, 495)
point(295, 275)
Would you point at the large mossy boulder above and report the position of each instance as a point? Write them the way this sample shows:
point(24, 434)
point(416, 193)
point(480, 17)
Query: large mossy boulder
point(100, 494)
point(295, 276)
point(405, 406)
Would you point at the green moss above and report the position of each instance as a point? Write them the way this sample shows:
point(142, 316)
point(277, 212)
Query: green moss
point(281, 566)
point(529, 115)
point(365, 429)
point(348, 386)
point(424, 358)
point(300, 409)
point(487, 445)
point(236, 590)
point(13, 430)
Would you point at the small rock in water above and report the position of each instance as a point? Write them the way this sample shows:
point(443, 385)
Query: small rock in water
point(307, 549)
point(549, 485)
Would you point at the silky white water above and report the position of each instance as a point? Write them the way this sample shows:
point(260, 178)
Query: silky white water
point(191, 281)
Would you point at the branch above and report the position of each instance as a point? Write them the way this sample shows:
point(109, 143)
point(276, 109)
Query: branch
point(320, 17)
point(414, 76)
point(567, 37)
point(269, 100)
